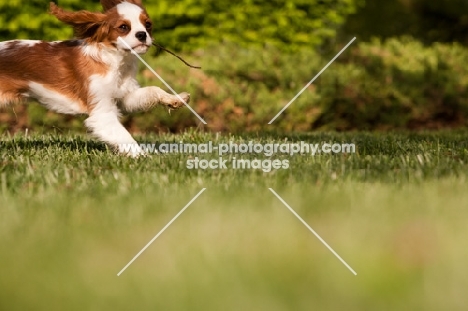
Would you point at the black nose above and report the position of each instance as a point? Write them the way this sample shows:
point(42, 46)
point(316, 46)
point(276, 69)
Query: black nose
point(141, 36)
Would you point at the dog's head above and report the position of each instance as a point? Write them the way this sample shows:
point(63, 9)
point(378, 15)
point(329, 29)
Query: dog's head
point(126, 19)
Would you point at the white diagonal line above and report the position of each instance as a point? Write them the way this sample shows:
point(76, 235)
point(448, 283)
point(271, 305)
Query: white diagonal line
point(312, 81)
point(162, 80)
point(312, 230)
point(160, 232)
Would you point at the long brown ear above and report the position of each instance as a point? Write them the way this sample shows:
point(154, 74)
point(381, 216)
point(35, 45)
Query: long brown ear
point(84, 23)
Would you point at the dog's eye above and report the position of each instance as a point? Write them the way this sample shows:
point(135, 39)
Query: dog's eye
point(124, 27)
point(148, 25)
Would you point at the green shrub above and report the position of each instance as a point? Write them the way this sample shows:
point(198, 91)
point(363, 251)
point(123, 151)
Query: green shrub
point(400, 84)
point(286, 24)
point(428, 21)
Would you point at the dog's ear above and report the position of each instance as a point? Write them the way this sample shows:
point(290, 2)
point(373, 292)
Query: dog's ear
point(84, 23)
point(109, 4)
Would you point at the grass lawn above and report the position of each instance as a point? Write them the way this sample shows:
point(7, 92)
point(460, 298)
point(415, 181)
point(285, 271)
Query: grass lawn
point(73, 214)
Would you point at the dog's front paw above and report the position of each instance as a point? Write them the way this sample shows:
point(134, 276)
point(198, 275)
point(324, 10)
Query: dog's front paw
point(177, 103)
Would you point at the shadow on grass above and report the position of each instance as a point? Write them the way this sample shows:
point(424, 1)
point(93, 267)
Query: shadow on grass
point(78, 144)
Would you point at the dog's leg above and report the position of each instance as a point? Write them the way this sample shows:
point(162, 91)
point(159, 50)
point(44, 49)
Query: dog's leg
point(148, 97)
point(103, 122)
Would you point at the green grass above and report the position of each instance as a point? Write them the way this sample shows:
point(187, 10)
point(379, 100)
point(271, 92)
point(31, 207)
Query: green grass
point(73, 214)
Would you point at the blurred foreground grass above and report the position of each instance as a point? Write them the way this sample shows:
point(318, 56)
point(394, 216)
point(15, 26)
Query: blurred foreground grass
point(72, 215)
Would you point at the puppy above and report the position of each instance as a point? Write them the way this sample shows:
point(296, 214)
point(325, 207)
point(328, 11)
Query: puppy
point(93, 74)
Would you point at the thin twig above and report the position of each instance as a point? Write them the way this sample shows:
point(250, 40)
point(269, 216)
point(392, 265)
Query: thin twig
point(163, 48)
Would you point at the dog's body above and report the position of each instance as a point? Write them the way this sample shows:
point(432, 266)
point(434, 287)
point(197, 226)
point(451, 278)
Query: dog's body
point(89, 75)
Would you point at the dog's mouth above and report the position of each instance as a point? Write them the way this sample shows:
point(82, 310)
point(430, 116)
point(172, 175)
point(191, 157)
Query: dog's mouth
point(139, 49)
point(143, 45)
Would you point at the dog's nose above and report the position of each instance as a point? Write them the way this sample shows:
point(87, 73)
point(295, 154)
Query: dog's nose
point(141, 36)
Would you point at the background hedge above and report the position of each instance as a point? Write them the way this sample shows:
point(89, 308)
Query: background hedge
point(256, 56)
point(427, 21)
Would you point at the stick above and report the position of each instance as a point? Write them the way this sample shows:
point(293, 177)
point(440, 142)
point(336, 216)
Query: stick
point(163, 48)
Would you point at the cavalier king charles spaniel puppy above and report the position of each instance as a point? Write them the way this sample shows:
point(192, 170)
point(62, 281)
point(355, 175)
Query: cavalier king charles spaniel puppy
point(94, 74)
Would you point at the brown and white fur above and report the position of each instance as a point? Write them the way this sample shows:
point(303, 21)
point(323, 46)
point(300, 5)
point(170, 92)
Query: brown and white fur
point(89, 75)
